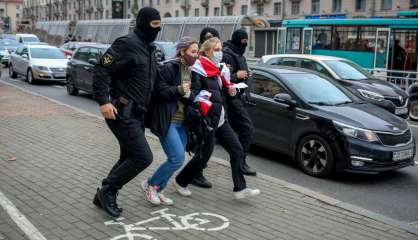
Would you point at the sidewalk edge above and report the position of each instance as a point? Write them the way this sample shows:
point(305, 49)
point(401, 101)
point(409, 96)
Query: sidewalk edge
point(316, 195)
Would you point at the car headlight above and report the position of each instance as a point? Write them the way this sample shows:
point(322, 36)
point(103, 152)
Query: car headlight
point(351, 131)
point(371, 95)
point(41, 68)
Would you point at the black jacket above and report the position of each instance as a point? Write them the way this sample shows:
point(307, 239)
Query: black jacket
point(128, 69)
point(235, 60)
point(166, 96)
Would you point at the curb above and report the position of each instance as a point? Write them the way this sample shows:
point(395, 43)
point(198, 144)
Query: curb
point(305, 191)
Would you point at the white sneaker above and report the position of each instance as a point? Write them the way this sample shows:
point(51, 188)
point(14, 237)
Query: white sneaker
point(245, 193)
point(165, 200)
point(151, 193)
point(184, 191)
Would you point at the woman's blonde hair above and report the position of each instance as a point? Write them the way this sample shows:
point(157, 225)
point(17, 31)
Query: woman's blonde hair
point(208, 45)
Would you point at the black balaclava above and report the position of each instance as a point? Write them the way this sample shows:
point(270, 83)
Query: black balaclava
point(143, 28)
point(205, 31)
point(237, 37)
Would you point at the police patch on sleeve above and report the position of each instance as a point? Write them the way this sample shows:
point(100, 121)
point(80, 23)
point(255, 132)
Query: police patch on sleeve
point(107, 59)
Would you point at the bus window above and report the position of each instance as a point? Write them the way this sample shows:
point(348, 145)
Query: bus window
point(293, 41)
point(322, 37)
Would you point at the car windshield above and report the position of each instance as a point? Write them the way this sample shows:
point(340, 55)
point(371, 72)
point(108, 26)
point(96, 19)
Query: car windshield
point(47, 53)
point(347, 70)
point(9, 42)
point(30, 39)
point(317, 90)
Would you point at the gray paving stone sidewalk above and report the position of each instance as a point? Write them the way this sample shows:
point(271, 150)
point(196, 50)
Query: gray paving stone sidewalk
point(61, 156)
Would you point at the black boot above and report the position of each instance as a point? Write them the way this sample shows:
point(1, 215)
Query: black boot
point(107, 199)
point(97, 202)
point(246, 170)
point(201, 181)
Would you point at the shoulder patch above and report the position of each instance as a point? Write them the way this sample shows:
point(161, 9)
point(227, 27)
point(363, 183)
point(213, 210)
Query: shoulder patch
point(107, 59)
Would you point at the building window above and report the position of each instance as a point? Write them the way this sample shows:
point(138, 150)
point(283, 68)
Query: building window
point(17, 15)
point(260, 9)
point(206, 11)
point(244, 10)
point(17, 7)
point(360, 5)
point(295, 8)
point(216, 11)
point(196, 12)
point(336, 5)
point(229, 11)
point(167, 1)
point(413, 4)
point(107, 13)
point(177, 13)
point(315, 6)
point(129, 3)
point(277, 8)
point(386, 4)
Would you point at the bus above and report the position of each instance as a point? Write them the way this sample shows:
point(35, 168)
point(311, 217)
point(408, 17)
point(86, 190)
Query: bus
point(380, 44)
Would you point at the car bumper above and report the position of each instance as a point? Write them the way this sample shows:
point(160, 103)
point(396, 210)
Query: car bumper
point(5, 60)
point(374, 157)
point(49, 76)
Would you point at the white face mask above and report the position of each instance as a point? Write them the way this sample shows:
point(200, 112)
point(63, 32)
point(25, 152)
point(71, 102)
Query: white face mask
point(217, 57)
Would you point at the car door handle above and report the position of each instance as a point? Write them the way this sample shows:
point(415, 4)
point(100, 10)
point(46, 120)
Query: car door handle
point(87, 68)
point(302, 117)
point(251, 103)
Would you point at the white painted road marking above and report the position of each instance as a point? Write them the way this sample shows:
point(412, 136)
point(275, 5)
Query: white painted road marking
point(21, 221)
point(58, 86)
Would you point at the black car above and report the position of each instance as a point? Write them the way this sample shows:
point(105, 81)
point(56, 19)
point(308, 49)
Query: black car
point(80, 68)
point(349, 74)
point(323, 126)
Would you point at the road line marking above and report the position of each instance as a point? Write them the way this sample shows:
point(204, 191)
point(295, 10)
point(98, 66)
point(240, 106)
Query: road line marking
point(21, 221)
point(58, 86)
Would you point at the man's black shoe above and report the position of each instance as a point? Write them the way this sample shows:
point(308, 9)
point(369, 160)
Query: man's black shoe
point(96, 201)
point(246, 170)
point(107, 199)
point(201, 181)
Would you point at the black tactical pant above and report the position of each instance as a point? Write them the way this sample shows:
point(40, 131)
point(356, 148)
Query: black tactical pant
point(135, 153)
point(241, 122)
point(228, 139)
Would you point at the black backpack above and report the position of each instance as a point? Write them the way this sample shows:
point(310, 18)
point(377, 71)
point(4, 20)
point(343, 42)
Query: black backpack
point(197, 128)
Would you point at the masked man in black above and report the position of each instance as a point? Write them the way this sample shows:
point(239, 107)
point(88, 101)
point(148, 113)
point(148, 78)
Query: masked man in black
point(123, 83)
point(238, 116)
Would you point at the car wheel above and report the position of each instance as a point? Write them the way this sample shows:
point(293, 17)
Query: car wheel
point(413, 110)
point(12, 72)
point(29, 77)
point(315, 156)
point(71, 89)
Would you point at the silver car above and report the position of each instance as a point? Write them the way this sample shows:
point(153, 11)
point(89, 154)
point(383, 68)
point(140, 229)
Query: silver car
point(38, 62)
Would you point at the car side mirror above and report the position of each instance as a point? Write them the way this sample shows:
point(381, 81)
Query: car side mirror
point(93, 61)
point(286, 99)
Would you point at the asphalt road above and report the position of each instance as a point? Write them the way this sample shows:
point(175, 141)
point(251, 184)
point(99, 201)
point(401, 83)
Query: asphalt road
point(393, 194)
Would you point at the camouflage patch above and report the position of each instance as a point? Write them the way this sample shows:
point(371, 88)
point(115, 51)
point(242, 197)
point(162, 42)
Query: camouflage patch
point(107, 59)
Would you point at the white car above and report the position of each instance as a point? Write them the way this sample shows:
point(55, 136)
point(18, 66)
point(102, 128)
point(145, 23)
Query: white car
point(27, 38)
point(38, 62)
point(351, 76)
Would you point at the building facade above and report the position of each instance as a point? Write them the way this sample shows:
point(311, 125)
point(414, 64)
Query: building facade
point(11, 13)
point(48, 10)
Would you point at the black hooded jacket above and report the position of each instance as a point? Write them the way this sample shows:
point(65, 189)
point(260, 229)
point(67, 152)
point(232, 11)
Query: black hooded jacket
point(234, 59)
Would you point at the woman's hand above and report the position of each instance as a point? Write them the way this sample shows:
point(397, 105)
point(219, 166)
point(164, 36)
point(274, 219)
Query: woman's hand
point(232, 91)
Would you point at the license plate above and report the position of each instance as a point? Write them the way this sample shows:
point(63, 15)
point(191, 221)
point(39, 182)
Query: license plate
point(401, 111)
point(402, 155)
point(59, 75)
